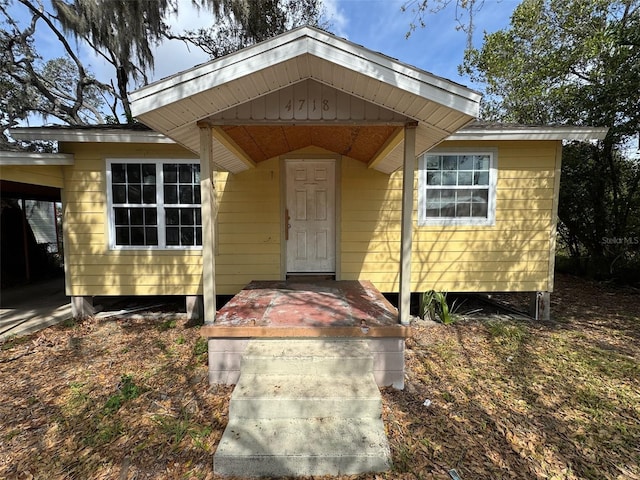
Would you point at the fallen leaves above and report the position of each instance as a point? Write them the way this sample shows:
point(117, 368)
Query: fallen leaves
point(509, 398)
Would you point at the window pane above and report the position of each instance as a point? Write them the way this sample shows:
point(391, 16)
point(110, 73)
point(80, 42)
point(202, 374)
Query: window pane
point(186, 216)
point(118, 174)
point(464, 195)
point(448, 195)
point(121, 216)
point(433, 162)
point(433, 212)
point(481, 178)
point(150, 216)
point(449, 178)
point(448, 210)
point(198, 216)
point(433, 195)
point(465, 178)
point(171, 194)
point(450, 162)
point(172, 216)
point(137, 235)
point(133, 173)
point(481, 196)
point(134, 194)
point(479, 210)
point(196, 174)
point(482, 162)
point(170, 172)
point(122, 235)
point(149, 194)
point(119, 194)
point(463, 210)
point(149, 173)
point(186, 194)
point(434, 178)
point(198, 235)
point(173, 236)
point(187, 236)
point(136, 215)
point(151, 234)
point(186, 175)
point(196, 194)
point(466, 162)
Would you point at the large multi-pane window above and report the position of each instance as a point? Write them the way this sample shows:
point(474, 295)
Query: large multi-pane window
point(154, 204)
point(457, 188)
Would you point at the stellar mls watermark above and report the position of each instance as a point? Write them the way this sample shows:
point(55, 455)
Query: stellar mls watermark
point(620, 240)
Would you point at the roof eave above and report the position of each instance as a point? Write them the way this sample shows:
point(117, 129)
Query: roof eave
point(87, 135)
point(532, 133)
point(8, 158)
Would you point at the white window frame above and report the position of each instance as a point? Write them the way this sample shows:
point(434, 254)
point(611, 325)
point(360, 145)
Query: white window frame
point(423, 220)
point(159, 205)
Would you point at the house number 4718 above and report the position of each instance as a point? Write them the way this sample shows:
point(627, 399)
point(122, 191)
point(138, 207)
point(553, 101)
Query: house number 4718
point(313, 104)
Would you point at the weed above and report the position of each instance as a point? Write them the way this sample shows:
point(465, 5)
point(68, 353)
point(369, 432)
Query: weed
point(449, 398)
point(434, 306)
point(105, 432)
point(78, 396)
point(168, 324)
point(181, 340)
point(127, 390)
point(177, 428)
point(200, 347)
point(507, 333)
point(11, 434)
point(70, 323)
point(13, 341)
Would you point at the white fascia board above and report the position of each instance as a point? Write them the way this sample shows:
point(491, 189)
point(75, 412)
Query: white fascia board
point(396, 66)
point(33, 158)
point(532, 133)
point(294, 44)
point(88, 135)
point(201, 79)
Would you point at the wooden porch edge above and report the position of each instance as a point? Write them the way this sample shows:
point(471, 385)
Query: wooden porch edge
point(213, 331)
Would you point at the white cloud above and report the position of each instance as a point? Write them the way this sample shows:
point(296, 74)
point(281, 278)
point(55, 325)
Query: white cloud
point(336, 17)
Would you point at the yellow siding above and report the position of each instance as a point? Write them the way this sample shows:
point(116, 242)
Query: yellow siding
point(93, 269)
point(248, 227)
point(513, 255)
point(45, 175)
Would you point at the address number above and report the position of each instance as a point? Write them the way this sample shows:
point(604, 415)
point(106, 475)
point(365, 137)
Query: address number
point(312, 103)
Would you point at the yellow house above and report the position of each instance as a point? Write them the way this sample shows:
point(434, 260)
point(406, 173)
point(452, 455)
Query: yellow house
point(305, 154)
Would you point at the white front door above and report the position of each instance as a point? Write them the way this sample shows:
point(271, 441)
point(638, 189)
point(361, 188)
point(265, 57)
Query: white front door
point(311, 242)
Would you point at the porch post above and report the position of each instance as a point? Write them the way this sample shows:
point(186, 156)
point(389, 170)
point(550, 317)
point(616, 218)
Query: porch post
point(207, 191)
point(408, 174)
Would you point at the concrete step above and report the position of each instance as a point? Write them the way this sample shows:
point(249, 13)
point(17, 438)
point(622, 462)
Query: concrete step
point(306, 396)
point(307, 356)
point(302, 447)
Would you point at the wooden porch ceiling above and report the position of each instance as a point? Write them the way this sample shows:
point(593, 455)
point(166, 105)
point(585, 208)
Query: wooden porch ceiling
point(261, 142)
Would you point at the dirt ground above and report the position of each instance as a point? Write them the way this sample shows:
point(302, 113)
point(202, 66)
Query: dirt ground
point(127, 398)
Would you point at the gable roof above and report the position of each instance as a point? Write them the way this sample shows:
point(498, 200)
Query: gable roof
point(175, 105)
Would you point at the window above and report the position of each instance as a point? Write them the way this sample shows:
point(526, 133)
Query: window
point(457, 188)
point(154, 204)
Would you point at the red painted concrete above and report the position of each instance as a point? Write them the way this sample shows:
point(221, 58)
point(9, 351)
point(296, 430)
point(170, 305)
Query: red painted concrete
point(298, 303)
